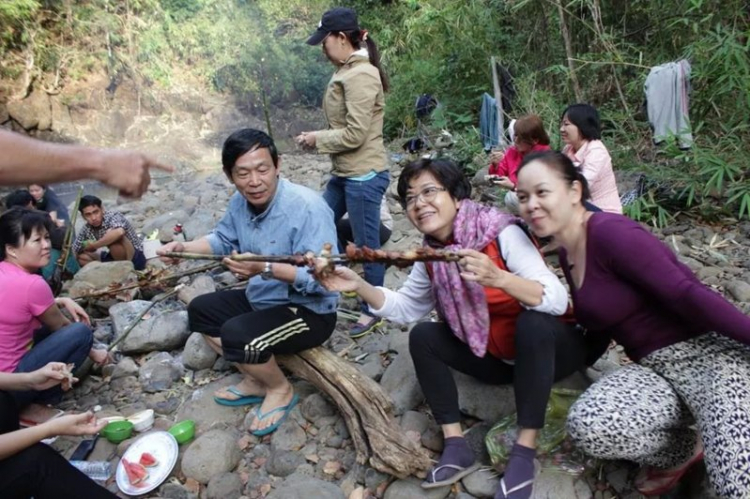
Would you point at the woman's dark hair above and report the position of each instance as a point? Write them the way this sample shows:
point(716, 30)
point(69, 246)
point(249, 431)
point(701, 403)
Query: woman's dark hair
point(355, 38)
point(586, 118)
point(242, 142)
point(18, 223)
point(446, 172)
point(562, 165)
point(530, 129)
point(89, 200)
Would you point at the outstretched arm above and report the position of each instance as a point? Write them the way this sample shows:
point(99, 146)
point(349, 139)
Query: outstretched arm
point(30, 161)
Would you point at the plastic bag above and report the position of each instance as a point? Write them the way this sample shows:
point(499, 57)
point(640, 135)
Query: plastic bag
point(551, 439)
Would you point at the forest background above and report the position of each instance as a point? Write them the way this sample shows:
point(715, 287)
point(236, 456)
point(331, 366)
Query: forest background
point(559, 52)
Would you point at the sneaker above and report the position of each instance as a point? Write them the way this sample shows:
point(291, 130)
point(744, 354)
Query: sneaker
point(357, 330)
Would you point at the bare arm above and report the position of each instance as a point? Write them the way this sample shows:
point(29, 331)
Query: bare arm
point(30, 161)
point(53, 318)
point(108, 238)
point(72, 424)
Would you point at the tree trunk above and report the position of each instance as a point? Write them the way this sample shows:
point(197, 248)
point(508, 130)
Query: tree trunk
point(569, 52)
point(366, 409)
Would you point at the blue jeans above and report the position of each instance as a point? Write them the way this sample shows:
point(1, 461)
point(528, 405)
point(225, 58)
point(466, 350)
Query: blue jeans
point(70, 344)
point(361, 199)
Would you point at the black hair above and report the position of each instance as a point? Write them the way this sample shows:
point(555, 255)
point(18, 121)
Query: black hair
point(89, 200)
point(21, 197)
point(586, 118)
point(446, 172)
point(562, 165)
point(243, 141)
point(355, 38)
point(18, 223)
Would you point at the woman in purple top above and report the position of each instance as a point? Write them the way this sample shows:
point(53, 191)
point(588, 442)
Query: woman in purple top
point(687, 394)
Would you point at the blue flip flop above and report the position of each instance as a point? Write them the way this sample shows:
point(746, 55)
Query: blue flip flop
point(286, 409)
point(242, 400)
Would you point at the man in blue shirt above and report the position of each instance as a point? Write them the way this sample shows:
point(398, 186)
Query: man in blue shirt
point(283, 309)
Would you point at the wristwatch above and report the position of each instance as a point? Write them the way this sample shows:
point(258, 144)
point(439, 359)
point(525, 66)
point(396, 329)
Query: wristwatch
point(267, 272)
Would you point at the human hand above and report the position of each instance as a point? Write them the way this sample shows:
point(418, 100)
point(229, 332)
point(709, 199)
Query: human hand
point(243, 270)
point(75, 310)
point(53, 374)
point(480, 268)
point(60, 222)
point(306, 140)
point(127, 171)
point(496, 157)
point(89, 246)
point(342, 279)
point(99, 356)
point(173, 247)
point(504, 182)
point(74, 424)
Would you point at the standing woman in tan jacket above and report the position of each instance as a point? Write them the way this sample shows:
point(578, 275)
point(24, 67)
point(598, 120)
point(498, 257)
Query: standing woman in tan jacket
point(353, 105)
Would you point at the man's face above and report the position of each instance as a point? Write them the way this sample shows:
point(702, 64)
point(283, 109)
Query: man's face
point(256, 177)
point(94, 215)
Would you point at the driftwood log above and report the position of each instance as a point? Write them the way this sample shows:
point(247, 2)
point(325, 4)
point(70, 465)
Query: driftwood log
point(367, 410)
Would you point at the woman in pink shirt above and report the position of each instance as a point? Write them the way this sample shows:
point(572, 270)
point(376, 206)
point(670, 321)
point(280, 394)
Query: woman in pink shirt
point(529, 137)
point(581, 132)
point(33, 329)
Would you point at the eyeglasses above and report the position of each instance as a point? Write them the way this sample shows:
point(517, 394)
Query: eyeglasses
point(427, 194)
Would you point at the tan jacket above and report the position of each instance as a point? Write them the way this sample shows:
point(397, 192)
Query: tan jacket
point(353, 105)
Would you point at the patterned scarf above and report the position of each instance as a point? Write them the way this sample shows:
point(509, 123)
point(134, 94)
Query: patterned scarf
point(462, 304)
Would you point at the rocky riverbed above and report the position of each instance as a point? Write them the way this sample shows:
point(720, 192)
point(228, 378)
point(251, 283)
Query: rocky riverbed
point(165, 367)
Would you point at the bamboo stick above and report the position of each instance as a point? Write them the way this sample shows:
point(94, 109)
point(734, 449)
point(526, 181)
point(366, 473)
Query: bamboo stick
point(300, 260)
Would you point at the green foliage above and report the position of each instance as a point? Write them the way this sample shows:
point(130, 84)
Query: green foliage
point(14, 14)
point(181, 10)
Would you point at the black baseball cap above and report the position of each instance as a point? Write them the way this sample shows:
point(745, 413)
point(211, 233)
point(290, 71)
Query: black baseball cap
point(337, 19)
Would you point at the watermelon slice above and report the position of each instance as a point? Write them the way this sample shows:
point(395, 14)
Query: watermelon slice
point(136, 473)
point(148, 460)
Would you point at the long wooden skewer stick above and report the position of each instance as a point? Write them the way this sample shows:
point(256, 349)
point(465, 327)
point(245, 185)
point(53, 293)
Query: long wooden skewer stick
point(299, 260)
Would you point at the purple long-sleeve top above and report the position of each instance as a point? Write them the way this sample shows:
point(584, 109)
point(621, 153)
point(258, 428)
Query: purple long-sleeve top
point(636, 290)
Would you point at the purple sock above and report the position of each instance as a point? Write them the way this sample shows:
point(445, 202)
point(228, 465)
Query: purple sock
point(455, 451)
point(520, 469)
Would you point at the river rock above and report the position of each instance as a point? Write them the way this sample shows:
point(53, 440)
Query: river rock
point(400, 382)
point(283, 463)
point(35, 111)
point(202, 222)
point(213, 453)
point(100, 275)
point(551, 484)
point(159, 372)
point(198, 354)
point(740, 290)
point(481, 483)
point(160, 329)
point(126, 367)
point(410, 489)
point(201, 285)
point(307, 488)
point(483, 401)
point(224, 486)
point(315, 406)
point(206, 413)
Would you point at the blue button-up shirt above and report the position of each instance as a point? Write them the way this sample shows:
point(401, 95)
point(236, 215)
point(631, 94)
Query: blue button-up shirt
point(296, 221)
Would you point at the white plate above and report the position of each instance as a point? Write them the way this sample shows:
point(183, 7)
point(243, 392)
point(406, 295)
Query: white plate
point(163, 447)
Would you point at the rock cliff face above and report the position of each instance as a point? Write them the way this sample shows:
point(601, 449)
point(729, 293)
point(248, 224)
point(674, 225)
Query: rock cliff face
point(183, 126)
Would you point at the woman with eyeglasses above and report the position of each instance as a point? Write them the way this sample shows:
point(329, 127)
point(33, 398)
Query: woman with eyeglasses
point(353, 104)
point(500, 311)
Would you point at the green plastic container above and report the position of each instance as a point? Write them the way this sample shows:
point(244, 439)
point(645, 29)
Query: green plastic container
point(184, 431)
point(117, 431)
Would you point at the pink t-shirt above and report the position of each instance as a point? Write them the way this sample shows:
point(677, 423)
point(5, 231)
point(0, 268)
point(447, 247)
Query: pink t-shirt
point(596, 165)
point(24, 297)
